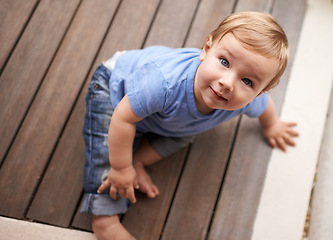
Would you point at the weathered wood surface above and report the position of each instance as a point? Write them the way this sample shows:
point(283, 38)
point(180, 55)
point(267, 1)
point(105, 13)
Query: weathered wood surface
point(208, 191)
point(13, 14)
point(29, 62)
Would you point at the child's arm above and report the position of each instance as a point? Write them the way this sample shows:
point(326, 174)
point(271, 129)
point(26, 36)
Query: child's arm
point(122, 176)
point(277, 132)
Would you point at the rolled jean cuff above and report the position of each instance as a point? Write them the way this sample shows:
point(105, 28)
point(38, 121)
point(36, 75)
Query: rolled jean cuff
point(103, 204)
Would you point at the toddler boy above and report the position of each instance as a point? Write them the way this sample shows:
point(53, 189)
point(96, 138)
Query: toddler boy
point(143, 105)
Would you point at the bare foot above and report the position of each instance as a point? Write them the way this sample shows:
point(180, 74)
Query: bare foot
point(109, 227)
point(145, 184)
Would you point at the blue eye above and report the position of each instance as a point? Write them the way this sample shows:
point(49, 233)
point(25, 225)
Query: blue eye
point(247, 81)
point(224, 62)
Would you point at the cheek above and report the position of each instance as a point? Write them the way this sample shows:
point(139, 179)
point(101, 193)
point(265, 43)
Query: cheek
point(201, 76)
point(206, 74)
point(244, 96)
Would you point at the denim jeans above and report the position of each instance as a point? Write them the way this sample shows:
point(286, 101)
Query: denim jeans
point(99, 111)
point(98, 115)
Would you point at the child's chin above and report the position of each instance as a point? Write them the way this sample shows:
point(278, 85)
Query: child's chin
point(230, 108)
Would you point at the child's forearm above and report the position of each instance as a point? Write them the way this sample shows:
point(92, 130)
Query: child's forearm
point(269, 117)
point(122, 176)
point(121, 135)
point(120, 142)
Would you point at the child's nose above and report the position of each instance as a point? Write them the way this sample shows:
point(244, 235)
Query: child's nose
point(227, 83)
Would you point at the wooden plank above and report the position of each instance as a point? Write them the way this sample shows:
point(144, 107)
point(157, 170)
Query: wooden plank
point(237, 204)
point(38, 135)
point(145, 219)
point(62, 175)
point(175, 16)
point(13, 16)
point(254, 5)
point(200, 183)
point(195, 225)
point(239, 198)
point(208, 17)
point(82, 221)
point(290, 15)
point(128, 31)
point(169, 29)
point(29, 62)
point(208, 155)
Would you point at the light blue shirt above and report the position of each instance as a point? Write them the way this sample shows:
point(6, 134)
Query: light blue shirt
point(159, 83)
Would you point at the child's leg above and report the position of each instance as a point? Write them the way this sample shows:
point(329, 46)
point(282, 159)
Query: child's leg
point(145, 156)
point(97, 119)
point(152, 151)
point(109, 227)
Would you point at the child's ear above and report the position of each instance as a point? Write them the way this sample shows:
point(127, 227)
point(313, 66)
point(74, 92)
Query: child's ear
point(208, 45)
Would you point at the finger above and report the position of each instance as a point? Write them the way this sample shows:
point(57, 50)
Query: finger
point(122, 192)
point(272, 142)
point(282, 145)
point(289, 141)
point(130, 194)
point(291, 124)
point(292, 132)
point(103, 186)
point(136, 184)
point(113, 193)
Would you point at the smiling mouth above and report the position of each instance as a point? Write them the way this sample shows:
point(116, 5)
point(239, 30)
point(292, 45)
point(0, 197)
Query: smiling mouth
point(217, 95)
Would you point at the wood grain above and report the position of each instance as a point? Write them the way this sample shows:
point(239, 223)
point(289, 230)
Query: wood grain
point(44, 122)
point(28, 64)
point(13, 14)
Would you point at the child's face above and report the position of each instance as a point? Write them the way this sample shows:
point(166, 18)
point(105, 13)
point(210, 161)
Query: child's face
point(230, 76)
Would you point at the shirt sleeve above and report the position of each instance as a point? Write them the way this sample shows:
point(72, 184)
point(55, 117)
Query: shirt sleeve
point(257, 106)
point(147, 90)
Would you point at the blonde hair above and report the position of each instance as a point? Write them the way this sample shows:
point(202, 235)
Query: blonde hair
point(258, 32)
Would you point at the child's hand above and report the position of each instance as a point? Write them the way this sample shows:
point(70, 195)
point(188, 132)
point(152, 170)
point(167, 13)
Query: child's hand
point(122, 181)
point(281, 134)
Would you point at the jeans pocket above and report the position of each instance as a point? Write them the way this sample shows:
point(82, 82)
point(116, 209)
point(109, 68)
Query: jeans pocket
point(99, 86)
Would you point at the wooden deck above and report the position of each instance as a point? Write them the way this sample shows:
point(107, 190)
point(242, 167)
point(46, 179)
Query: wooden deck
point(48, 52)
